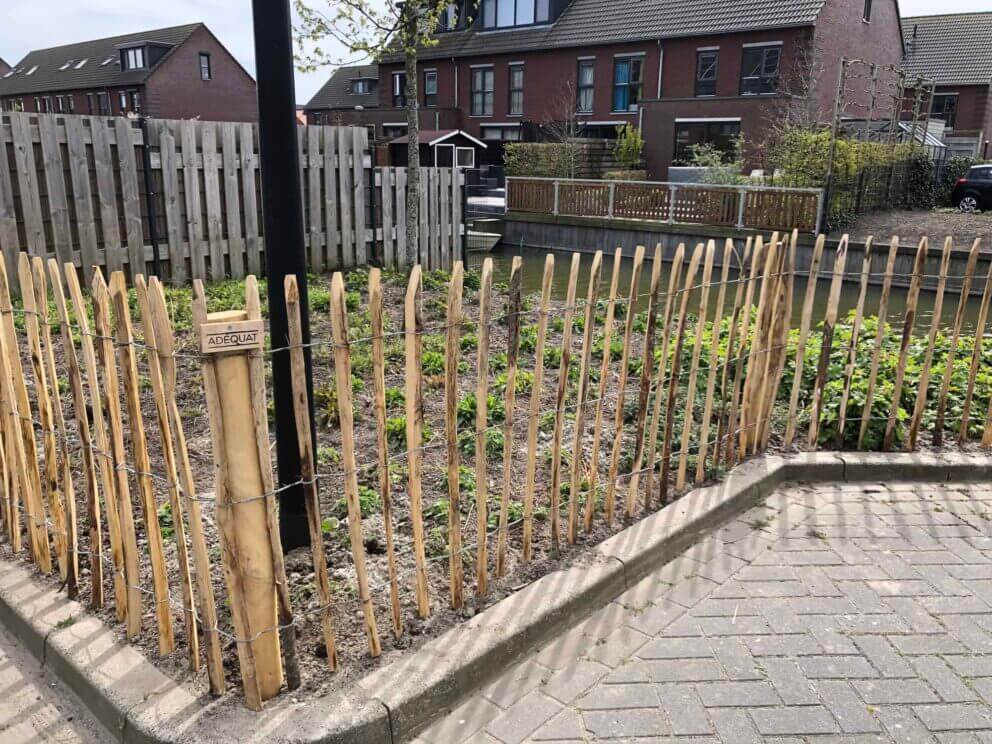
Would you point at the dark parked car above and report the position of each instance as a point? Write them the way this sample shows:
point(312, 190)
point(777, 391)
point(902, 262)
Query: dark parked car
point(973, 193)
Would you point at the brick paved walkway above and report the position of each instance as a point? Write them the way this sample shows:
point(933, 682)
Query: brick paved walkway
point(848, 613)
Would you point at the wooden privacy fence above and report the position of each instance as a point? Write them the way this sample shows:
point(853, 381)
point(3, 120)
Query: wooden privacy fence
point(573, 414)
point(68, 189)
point(752, 207)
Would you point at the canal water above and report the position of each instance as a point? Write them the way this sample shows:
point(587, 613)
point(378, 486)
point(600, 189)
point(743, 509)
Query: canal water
point(533, 269)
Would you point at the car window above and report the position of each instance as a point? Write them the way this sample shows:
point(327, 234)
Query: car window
point(981, 174)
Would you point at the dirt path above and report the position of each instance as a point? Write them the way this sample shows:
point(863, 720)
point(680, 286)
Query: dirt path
point(909, 226)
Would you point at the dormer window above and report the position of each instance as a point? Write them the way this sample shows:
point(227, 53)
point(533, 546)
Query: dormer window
point(133, 58)
point(67, 65)
point(106, 62)
point(448, 18)
point(362, 86)
point(510, 13)
point(31, 71)
point(80, 63)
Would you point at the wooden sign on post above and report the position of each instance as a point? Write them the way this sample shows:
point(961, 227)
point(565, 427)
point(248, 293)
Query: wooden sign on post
point(236, 335)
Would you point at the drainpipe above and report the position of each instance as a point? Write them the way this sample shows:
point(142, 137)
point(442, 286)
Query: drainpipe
point(455, 65)
point(661, 66)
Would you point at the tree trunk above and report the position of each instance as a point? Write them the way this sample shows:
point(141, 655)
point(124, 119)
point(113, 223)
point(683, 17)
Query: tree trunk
point(413, 149)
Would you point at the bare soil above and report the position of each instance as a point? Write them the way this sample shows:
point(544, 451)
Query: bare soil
point(937, 224)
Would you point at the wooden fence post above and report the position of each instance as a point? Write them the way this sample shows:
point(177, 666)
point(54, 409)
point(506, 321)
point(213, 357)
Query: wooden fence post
point(736, 414)
point(852, 353)
point(826, 349)
point(804, 328)
point(481, 425)
point(976, 358)
point(452, 353)
point(513, 305)
point(876, 354)
point(729, 355)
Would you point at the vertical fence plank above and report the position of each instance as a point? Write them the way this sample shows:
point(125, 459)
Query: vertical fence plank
point(945, 385)
point(481, 424)
point(534, 414)
point(919, 266)
point(27, 182)
point(52, 491)
point(876, 354)
point(170, 196)
point(609, 504)
point(424, 249)
point(924, 382)
point(513, 308)
point(130, 195)
point(733, 425)
point(103, 163)
point(563, 368)
point(312, 162)
point(757, 354)
point(148, 332)
point(127, 359)
point(115, 452)
point(301, 409)
point(249, 163)
point(604, 372)
point(22, 490)
point(332, 237)
point(359, 144)
point(804, 328)
point(444, 213)
point(976, 358)
point(452, 353)
point(388, 188)
point(102, 453)
point(385, 488)
point(189, 134)
point(232, 200)
point(346, 197)
point(781, 319)
point(79, 175)
point(715, 332)
point(697, 348)
point(401, 247)
point(164, 349)
point(413, 328)
point(342, 374)
point(85, 439)
point(27, 452)
point(670, 296)
point(67, 491)
point(10, 243)
point(644, 389)
point(826, 348)
point(215, 217)
point(58, 199)
point(580, 402)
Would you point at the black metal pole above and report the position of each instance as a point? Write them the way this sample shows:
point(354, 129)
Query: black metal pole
point(150, 194)
point(282, 218)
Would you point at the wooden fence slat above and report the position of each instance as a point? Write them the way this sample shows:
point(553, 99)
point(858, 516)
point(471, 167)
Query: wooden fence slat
point(452, 354)
point(311, 163)
point(51, 487)
point(609, 504)
point(534, 414)
point(332, 236)
point(444, 216)
point(804, 329)
point(103, 163)
point(376, 312)
point(130, 196)
point(424, 248)
point(604, 371)
point(359, 144)
point(481, 425)
point(733, 425)
point(563, 368)
point(781, 319)
point(170, 197)
point(729, 354)
point(110, 390)
point(304, 437)
point(924, 381)
point(513, 309)
point(883, 307)
point(826, 348)
point(190, 135)
point(27, 181)
point(402, 255)
point(413, 328)
point(10, 243)
point(945, 385)
point(673, 378)
point(211, 184)
point(58, 199)
point(715, 333)
point(644, 389)
point(85, 439)
point(757, 354)
point(232, 200)
point(852, 353)
point(102, 454)
point(249, 163)
point(697, 348)
point(670, 297)
point(388, 186)
point(919, 266)
point(164, 348)
point(79, 175)
point(976, 358)
point(127, 359)
point(346, 198)
point(580, 402)
point(342, 373)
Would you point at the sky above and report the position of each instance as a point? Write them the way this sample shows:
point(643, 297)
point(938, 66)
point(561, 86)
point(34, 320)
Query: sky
point(36, 24)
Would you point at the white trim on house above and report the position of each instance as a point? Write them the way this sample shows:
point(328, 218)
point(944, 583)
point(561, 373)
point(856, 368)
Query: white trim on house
point(455, 133)
point(706, 119)
point(761, 44)
point(708, 49)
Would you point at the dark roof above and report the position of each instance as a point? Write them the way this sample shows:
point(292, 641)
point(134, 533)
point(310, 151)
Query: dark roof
point(432, 136)
point(950, 49)
point(336, 92)
point(3, 66)
point(586, 22)
point(47, 63)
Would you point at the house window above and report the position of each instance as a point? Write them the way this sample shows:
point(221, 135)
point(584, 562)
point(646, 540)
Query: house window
point(392, 131)
point(362, 86)
point(448, 19)
point(586, 78)
point(399, 90)
point(123, 100)
point(707, 63)
point(133, 59)
point(136, 101)
point(722, 134)
point(103, 103)
point(465, 157)
point(506, 134)
point(430, 87)
point(205, 72)
point(482, 91)
point(627, 83)
point(516, 100)
point(945, 106)
point(59, 105)
point(509, 13)
point(759, 70)
point(867, 14)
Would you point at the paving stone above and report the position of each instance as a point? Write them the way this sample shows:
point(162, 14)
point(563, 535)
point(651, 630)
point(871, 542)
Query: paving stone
point(903, 725)
point(943, 679)
point(736, 694)
point(565, 650)
point(827, 633)
point(735, 657)
point(913, 612)
point(882, 656)
point(523, 718)
point(903, 588)
point(850, 712)
point(619, 645)
point(954, 716)
point(783, 645)
point(572, 681)
point(516, 683)
point(733, 607)
point(464, 721)
point(685, 670)
point(630, 670)
point(803, 720)
point(656, 618)
point(766, 573)
point(790, 682)
point(970, 665)
point(836, 667)
point(565, 726)
point(734, 725)
point(616, 697)
point(863, 597)
point(894, 691)
point(685, 712)
point(926, 644)
point(690, 591)
point(721, 568)
point(614, 724)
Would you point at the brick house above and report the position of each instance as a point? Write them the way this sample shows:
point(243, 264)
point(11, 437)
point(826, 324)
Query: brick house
point(181, 72)
point(4, 67)
point(685, 71)
point(955, 51)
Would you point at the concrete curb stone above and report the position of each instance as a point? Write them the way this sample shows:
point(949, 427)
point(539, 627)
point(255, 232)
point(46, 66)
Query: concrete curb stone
point(130, 695)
